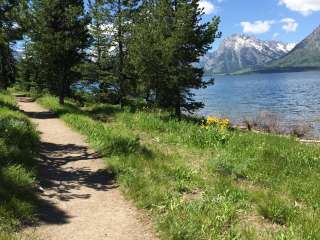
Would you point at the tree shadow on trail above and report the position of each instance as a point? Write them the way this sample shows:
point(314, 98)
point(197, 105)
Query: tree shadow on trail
point(41, 115)
point(57, 176)
point(48, 213)
point(63, 182)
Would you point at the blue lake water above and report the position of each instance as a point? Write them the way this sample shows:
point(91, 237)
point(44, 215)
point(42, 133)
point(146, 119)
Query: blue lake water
point(293, 97)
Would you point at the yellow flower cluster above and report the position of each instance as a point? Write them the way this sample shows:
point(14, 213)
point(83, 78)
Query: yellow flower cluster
point(221, 122)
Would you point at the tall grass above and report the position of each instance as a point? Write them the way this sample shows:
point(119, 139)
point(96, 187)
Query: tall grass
point(203, 183)
point(18, 144)
point(174, 131)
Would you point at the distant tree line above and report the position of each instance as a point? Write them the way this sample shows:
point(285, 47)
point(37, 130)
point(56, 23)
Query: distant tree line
point(116, 50)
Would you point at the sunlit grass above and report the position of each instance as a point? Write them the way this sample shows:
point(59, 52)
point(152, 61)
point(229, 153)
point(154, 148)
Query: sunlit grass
point(18, 145)
point(204, 183)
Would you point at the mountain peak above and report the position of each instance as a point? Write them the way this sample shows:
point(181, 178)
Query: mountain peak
point(240, 51)
point(240, 35)
point(317, 30)
point(305, 55)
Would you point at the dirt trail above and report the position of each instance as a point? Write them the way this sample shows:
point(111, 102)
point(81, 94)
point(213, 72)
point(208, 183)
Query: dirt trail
point(80, 200)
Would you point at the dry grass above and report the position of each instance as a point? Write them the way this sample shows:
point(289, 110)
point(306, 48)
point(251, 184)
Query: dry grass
point(271, 123)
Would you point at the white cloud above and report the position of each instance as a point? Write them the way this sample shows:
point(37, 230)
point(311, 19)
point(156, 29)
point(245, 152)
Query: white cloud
point(289, 24)
point(207, 6)
point(256, 27)
point(305, 7)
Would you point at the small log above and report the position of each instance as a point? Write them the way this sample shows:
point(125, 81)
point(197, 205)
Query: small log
point(309, 141)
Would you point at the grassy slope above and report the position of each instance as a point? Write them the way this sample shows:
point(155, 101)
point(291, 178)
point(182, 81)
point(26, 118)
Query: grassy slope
point(205, 183)
point(18, 141)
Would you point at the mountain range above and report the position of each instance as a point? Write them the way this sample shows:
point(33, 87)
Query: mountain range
point(243, 53)
point(304, 56)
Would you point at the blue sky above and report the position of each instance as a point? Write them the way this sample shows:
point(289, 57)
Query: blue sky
point(284, 20)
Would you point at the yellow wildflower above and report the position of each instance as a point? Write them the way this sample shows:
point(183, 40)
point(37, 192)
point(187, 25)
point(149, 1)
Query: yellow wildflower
point(221, 122)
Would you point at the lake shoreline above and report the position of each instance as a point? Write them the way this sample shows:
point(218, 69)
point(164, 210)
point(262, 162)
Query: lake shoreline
point(291, 96)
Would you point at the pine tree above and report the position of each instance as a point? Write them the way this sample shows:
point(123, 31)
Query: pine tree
point(165, 47)
point(98, 67)
point(191, 39)
point(147, 50)
point(59, 36)
point(121, 18)
point(10, 31)
point(29, 74)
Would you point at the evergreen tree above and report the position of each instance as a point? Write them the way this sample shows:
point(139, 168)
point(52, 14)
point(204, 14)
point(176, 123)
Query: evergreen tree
point(29, 70)
point(148, 52)
point(100, 30)
point(145, 53)
point(59, 36)
point(7, 65)
point(122, 12)
point(10, 31)
point(165, 47)
point(98, 67)
point(191, 39)
point(107, 65)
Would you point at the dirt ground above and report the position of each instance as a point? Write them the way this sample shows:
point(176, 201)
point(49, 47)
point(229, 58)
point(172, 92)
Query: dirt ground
point(79, 200)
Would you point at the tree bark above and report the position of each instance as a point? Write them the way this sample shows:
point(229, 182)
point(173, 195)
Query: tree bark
point(121, 55)
point(178, 105)
point(67, 87)
point(61, 98)
point(62, 88)
point(2, 85)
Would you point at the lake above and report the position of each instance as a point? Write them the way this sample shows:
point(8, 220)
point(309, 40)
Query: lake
point(293, 97)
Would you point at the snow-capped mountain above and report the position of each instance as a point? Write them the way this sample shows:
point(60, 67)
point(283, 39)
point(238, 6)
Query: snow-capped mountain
point(242, 51)
point(306, 54)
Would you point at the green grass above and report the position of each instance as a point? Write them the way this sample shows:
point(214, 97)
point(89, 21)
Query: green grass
point(202, 183)
point(18, 144)
point(276, 210)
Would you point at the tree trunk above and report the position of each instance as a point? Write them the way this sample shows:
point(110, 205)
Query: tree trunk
point(62, 88)
point(67, 88)
point(2, 85)
point(121, 55)
point(61, 98)
point(4, 65)
point(178, 105)
point(61, 94)
point(178, 111)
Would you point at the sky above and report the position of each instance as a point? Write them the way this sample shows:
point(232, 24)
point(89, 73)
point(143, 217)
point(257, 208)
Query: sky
point(284, 20)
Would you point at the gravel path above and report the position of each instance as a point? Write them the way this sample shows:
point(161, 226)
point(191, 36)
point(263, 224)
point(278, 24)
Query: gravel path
point(80, 201)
